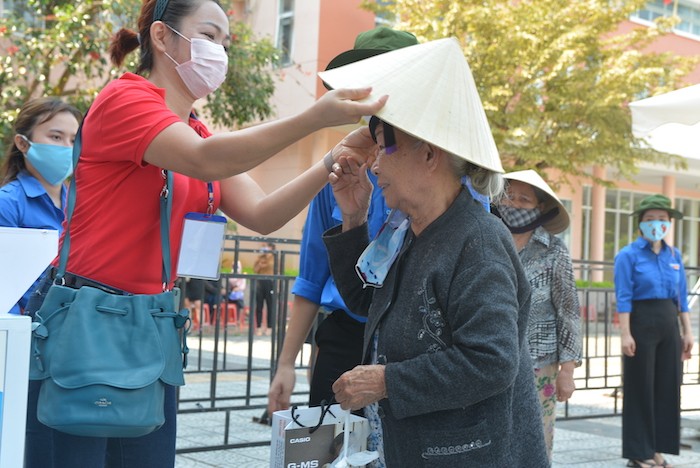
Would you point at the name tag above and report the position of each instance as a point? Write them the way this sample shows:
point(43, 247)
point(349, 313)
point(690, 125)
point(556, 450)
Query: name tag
point(202, 246)
point(675, 266)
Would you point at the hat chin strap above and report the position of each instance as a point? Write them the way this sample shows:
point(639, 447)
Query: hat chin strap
point(545, 218)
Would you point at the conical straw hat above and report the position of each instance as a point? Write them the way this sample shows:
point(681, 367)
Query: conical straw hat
point(530, 177)
point(432, 96)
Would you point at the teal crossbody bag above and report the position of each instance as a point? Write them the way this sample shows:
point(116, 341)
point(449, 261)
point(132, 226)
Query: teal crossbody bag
point(104, 355)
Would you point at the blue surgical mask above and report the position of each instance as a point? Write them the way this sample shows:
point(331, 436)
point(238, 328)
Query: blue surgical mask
point(654, 230)
point(376, 260)
point(480, 197)
point(53, 162)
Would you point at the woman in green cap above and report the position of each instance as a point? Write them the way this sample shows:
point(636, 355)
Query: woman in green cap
point(651, 292)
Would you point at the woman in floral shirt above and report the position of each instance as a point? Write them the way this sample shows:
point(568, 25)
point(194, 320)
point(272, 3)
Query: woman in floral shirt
point(533, 214)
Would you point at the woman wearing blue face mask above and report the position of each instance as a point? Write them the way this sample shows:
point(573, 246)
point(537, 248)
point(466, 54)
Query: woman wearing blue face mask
point(36, 164)
point(651, 292)
point(33, 194)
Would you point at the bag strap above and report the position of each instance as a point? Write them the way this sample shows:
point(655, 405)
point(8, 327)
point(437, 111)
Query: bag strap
point(165, 210)
point(325, 409)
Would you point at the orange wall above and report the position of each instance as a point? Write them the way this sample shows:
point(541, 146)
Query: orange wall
point(318, 38)
point(332, 31)
point(679, 45)
point(340, 23)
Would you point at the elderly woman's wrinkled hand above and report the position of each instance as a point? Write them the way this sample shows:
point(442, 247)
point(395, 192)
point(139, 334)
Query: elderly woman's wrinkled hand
point(357, 145)
point(352, 190)
point(564, 385)
point(360, 387)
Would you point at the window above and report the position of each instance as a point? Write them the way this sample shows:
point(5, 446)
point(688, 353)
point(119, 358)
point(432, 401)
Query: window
point(687, 230)
point(384, 18)
point(285, 30)
point(621, 228)
point(586, 222)
point(565, 235)
point(17, 9)
point(688, 12)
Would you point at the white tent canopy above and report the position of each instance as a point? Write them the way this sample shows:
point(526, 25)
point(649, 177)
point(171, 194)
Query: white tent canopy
point(670, 122)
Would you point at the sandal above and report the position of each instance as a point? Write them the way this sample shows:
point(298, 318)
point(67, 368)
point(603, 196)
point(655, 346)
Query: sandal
point(650, 463)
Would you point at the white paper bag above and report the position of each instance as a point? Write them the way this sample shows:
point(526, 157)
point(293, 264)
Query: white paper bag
point(292, 445)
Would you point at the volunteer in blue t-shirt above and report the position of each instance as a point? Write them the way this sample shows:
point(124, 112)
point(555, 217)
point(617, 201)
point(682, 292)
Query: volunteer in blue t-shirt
point(40, 158)
point(651, 292)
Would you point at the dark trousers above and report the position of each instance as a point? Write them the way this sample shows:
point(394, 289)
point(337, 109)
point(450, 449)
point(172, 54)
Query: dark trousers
point(265, 293)
point(651, 382)
point(339, 340)
point(46, 448)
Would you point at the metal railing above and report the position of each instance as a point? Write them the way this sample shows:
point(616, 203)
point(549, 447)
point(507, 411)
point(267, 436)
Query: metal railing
point(601, 369)
point(231, 366)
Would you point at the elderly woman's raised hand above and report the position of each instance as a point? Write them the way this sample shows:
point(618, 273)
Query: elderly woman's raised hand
point(352, 190)
point(340, 106)
point(360, 387)
point(357, 145)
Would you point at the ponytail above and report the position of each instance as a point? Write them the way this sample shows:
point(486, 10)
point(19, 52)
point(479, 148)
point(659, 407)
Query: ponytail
point(124, 42)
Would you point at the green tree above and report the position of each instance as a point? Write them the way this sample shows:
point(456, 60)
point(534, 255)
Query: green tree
point(555, 76)
point(59, 48)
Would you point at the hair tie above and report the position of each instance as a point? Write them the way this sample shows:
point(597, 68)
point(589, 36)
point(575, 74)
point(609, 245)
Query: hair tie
point(138, 38)
point(159, 10)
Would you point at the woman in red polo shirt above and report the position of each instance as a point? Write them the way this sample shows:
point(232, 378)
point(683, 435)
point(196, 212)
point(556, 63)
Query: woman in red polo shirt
point(142, 123)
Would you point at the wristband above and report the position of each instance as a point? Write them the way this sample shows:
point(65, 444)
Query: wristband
point(328, 161)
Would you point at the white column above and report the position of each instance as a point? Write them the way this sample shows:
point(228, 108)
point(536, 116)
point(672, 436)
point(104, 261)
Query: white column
point(597, 238)
point(669, 189)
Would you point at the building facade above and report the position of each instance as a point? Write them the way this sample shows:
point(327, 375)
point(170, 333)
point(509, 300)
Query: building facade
point(310, 33)
point(313, 31)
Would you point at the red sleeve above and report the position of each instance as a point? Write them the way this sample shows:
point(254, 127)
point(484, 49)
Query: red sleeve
point(124, 119)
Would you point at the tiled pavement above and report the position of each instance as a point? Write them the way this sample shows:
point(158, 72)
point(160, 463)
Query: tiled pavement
point(590, 442)
point(581, 443)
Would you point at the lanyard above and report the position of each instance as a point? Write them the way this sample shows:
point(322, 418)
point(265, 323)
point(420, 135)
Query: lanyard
point(210, 199)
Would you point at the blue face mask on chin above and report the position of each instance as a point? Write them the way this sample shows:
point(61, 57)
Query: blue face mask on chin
point(376, 260)
point(654, 230)
point(53, 162)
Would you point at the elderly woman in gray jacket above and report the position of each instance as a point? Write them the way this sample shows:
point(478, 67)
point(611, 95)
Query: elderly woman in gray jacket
point(447, 380)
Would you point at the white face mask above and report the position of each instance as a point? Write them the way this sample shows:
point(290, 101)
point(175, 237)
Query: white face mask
point(206, 69)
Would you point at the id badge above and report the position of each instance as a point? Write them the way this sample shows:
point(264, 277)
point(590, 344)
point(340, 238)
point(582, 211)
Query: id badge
point(202, 246)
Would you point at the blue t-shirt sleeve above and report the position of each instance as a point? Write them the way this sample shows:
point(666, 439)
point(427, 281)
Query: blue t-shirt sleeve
point(313, 259)
point(624, 284)
point(13, 213)
point(682, 285)
point(9, 217)
point(9, 208)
